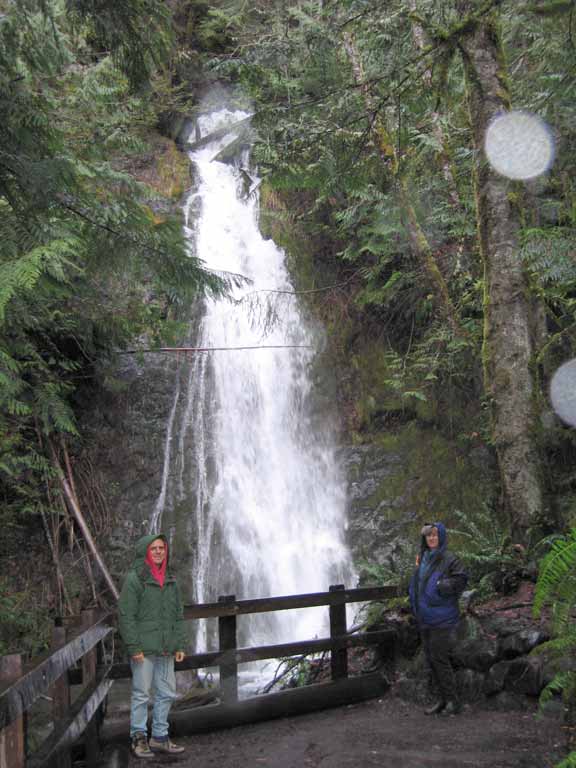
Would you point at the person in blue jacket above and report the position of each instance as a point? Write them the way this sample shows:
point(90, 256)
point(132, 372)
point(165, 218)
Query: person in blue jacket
point(435, 587)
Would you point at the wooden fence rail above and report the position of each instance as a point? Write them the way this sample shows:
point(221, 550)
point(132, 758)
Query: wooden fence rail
point(54, 673)
point(267, 604)
point(47, 677)
point(341, 689)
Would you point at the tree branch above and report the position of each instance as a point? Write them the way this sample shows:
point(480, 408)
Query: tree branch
point(213, 349)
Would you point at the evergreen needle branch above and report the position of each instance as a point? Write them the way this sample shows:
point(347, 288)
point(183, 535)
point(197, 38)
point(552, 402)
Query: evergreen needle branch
point(110, 230)
point(366, 12)
point(554, 340)
point(122, 236)
point(353, 86)
point(439, 42)
point(213, 349)
point(235, 277)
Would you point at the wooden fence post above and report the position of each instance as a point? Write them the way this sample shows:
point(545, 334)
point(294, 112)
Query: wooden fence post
point(91, 735)
point(12, 753)
point(60, 694)
point(338, 658)
point(228, 645)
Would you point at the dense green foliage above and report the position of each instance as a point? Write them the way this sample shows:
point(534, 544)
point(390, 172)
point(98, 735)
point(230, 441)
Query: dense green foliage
point(365, 133)
point(364, 141)
point(556, 590)
point(86, 265)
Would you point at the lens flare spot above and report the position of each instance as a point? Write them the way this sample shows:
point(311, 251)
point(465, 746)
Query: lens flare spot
point(519, 145)
point(563, 392)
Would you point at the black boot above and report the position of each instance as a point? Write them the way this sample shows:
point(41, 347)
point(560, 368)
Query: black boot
point(436, 708)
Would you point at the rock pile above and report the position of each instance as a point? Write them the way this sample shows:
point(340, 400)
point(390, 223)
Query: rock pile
point(494, 656)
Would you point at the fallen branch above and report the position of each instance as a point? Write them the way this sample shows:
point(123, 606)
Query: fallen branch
point(87, 563)
point(79, 517)
point(63, 596)
point(290, 665)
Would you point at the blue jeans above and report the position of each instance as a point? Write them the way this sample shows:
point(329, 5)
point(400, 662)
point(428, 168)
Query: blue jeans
point(159, 672)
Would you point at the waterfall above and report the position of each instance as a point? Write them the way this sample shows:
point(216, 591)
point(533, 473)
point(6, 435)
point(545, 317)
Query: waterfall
point(248, 463)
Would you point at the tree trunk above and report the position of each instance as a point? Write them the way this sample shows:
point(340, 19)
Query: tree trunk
point(508, 345)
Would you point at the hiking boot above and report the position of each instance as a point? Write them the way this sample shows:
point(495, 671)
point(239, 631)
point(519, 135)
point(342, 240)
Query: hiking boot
point(435, 708)
point(452, 708)
point(139, 746)
point(165, 746)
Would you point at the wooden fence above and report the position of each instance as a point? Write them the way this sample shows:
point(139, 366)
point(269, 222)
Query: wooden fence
point(47, 677)
point(53, 674)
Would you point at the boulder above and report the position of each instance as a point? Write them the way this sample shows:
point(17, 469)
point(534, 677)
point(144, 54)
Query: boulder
point(477, 653)
point(470, 684)
point(495, 679)
point(475, 649)
point(521, 642)
point(523, 675)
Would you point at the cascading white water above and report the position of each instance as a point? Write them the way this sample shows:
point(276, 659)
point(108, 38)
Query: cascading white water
point(246, 460)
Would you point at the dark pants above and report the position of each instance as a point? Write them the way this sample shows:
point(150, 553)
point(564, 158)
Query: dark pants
point(438, 645)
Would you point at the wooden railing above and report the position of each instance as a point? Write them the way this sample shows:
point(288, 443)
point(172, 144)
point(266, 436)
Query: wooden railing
point(53, 674)
point(229, 656)
point(341, 689)
point(47, 677)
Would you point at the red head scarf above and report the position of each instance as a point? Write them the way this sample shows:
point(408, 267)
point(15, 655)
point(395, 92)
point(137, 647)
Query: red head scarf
point(158, 571)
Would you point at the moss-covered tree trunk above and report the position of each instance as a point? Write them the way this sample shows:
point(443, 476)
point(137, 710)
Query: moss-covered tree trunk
point(507, 337)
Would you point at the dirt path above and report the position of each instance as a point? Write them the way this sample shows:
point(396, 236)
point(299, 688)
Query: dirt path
point(386, 733)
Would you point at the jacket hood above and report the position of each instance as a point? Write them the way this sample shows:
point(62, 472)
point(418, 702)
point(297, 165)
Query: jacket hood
point(142, 547)
point(442, 539)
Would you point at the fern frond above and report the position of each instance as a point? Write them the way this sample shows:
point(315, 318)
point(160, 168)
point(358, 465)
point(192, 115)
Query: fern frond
point(52, 409)
point(22, 275)
point(568, 762)
point(559, 646)
point(561, 682)
point(556, 567)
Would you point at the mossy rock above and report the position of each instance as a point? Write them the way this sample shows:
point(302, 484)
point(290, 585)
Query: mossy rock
point(406, 478)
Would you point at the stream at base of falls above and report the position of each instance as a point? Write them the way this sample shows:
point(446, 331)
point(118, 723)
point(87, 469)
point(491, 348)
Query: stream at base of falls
point(252, 496)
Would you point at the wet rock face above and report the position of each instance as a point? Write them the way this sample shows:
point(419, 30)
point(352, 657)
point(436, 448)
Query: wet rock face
point(403, 479)
point(377, 525)
point(128, 433)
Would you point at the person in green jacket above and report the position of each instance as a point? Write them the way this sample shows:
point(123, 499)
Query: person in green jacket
point(152, 628)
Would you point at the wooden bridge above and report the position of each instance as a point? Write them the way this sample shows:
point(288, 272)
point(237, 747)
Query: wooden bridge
point(76, 677)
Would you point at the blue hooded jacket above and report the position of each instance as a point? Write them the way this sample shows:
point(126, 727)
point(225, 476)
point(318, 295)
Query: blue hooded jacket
point(436, 584)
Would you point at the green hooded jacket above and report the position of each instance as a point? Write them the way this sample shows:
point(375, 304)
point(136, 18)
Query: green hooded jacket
point(150, 616)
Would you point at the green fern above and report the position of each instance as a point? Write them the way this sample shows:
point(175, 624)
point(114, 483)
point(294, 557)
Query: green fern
point(556, 588)
point(23, 274)
point(568, 762)
point(79, 244)
point(556, 581)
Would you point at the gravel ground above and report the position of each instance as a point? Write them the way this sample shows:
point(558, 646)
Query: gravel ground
point(384, 733)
